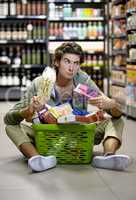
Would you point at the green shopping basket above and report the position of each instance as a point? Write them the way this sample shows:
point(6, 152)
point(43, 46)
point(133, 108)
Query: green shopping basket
point(70, 143)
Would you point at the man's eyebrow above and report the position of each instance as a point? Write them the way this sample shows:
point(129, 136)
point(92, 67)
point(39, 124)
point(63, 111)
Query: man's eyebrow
point(70, 60)
point(66, 59)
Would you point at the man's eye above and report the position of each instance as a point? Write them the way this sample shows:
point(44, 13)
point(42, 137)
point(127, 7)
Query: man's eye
point(66, 61)
point(76, 63)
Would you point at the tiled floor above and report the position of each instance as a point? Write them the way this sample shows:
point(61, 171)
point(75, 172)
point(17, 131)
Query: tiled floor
point(65, 182)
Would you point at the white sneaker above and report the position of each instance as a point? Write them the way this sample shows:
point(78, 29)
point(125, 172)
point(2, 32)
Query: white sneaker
point(40, 163)
point(115, 162)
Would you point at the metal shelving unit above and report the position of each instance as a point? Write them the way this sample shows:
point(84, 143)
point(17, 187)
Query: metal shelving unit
point(131, 61)
point(26, 40)
point(23, 45)
point(118, 52)
point(76, 21)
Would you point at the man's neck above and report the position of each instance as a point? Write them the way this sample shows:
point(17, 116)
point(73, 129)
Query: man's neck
point(62, 82)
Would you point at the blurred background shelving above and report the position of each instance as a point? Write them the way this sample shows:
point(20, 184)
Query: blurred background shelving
point(123, 48)
point(30, 31)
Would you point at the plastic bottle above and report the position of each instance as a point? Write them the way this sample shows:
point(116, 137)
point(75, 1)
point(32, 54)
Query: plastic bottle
point(51, 11)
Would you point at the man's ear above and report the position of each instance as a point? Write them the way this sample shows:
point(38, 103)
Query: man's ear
point(57, 63)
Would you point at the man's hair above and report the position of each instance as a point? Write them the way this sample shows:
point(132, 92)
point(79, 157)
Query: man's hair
point(68, 47)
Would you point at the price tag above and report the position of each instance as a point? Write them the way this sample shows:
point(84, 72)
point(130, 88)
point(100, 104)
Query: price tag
point(70, 1)
point(87, 1)
point(29, 41)
point(27, 66)
point(3, 41)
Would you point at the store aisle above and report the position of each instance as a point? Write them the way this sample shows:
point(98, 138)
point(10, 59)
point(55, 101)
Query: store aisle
point(64, 182)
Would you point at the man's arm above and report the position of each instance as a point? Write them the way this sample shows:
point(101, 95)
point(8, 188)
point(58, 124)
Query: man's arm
point(108, 104)
point(15, 115)
point(116, 111)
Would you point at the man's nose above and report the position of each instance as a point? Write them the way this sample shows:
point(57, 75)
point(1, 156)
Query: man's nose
point(71, 66)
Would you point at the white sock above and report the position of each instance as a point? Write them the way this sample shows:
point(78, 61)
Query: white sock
point(115, 162)
point(40, 163)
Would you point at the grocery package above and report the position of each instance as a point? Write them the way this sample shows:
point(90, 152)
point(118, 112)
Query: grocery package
point(92, 117)
point(86, 91)
point(51, 114)
point(64, 113)
point(46, 84)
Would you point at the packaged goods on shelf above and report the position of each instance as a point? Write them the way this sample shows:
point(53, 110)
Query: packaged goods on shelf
point(131, 76)
point(29, 31)
point(118, 77)
point(131, 94)
point(118, 93)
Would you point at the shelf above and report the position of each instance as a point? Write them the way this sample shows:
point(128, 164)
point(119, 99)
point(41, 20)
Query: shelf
point(78, 40)
point(119, 84)
point(77, 1)
point(119, 52)
point(119, 68)
point(119, 36)
point(130, 44)
point(29, 66)
point(22, 17)
point(95, 52)
point(131, 29)
point(36, 41)
point(21, 66)
point(37, 50)
point(119, 17)
point(133, 61)
point(72, 19)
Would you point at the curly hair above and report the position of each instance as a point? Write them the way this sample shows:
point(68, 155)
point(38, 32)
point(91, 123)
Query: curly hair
point(68, 47)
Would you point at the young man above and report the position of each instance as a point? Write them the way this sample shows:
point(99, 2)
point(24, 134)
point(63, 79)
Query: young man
point(67, 60)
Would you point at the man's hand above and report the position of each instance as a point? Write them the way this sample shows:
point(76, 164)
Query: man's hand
point(28, 112)
point(103, 102)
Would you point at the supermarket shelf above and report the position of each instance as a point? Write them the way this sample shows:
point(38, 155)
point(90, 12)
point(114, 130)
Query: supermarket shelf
point(130, 44)
point(23, 41)
point(119, 17)
point(72, 19)
point(77, 1)
point(28, 66)
point(36, 50)
point(22, 17)
point(119, 84)
point(119, 68)
point(21, 66)
point(119, 52)
point(131, 29)
point(76, 39)
point(133, 61)
point(121, 36)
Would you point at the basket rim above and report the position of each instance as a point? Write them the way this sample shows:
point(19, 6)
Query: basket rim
point(43, 127)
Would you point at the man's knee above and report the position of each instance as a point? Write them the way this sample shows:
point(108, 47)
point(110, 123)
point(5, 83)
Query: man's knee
point(119, 123)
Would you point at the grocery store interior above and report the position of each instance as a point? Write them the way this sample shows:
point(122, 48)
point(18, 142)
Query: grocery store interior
point(30, 31)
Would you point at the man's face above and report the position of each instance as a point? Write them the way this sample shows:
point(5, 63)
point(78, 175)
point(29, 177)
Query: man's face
point(69, 65)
